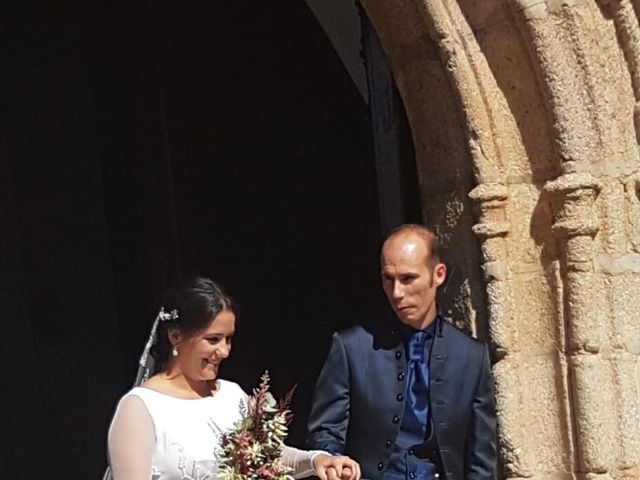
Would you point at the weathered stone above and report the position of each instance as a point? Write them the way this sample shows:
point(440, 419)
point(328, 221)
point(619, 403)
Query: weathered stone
point(544, 418)
point(627, 394)
point(525, 213)
point(623, 294)
point(537, 332)
point(611, 238)
point(592, 399)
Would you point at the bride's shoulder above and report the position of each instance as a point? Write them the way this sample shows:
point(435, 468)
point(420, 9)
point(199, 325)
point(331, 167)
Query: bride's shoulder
point(231, 388)
point(155, 383)
point(153, 388)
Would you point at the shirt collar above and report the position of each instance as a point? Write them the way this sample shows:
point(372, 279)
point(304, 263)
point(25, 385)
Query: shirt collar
point(407, 332)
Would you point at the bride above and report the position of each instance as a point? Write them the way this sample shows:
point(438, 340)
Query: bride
point(170, 427)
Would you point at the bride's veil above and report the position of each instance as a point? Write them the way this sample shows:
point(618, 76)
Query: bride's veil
point(147, 363)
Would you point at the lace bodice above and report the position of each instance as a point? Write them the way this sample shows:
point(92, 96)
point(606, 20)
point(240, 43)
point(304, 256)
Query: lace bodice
point(161, 437)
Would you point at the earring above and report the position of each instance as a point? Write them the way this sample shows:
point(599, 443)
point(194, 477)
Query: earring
point(174, 351)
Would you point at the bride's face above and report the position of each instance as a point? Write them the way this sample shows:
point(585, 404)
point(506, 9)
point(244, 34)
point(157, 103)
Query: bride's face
point(200, 356)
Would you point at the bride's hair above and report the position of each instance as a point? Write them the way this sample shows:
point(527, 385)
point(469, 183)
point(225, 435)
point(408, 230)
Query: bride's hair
point(197, 301)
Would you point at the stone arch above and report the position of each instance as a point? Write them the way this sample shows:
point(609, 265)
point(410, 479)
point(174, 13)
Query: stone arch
point(517, 143)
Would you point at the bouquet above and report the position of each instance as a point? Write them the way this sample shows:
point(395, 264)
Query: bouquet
point(252, 450)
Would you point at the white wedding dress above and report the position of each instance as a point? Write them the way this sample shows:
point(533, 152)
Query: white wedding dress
point(161, 437)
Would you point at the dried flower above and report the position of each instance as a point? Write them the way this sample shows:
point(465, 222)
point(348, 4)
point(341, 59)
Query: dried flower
point(252, 451)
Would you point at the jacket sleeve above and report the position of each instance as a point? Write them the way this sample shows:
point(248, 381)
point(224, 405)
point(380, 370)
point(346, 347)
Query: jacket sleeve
point(329, 416)
point(481, 452)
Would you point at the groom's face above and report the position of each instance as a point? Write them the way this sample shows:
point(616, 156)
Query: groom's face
point(410, 279)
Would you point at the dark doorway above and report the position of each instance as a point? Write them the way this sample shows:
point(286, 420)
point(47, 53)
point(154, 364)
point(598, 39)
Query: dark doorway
point(147, 140)
point(392, 148)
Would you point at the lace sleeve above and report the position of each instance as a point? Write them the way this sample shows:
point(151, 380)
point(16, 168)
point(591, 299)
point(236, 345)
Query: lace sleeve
point(131, 440)
point(300, 461)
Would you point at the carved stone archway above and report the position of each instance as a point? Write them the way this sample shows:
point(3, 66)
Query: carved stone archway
point(524, 115)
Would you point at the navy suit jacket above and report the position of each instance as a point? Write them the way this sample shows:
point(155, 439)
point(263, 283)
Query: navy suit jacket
point(359, 400)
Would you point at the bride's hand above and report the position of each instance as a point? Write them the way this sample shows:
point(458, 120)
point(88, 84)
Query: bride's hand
point(339, 467)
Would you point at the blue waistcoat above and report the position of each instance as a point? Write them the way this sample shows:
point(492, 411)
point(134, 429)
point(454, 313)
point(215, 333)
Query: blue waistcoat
point(416, 422)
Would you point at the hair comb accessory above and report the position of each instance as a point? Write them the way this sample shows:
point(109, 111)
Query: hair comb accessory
point(168, 317)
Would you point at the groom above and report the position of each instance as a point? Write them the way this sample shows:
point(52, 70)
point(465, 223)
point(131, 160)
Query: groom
point(411, 398)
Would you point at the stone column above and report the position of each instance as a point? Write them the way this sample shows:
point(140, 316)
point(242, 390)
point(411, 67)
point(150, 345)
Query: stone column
point(492, 228)
point(576, 225)
point(553, 31)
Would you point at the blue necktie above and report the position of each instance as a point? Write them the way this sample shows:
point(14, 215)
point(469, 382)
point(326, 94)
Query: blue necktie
point(418, 381)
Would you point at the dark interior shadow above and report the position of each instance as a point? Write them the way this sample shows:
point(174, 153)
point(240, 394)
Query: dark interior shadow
point(148, 140)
